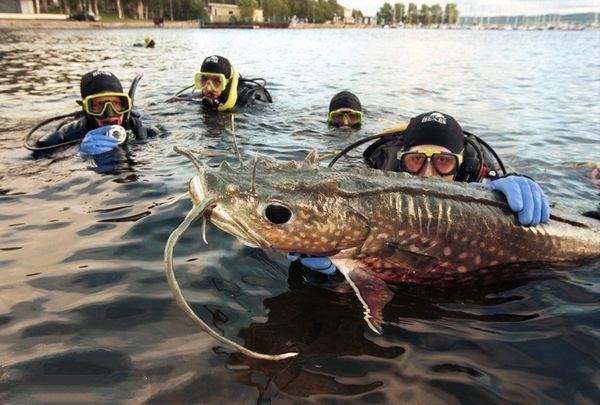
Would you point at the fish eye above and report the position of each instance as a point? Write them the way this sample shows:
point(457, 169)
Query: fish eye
point(277, 214)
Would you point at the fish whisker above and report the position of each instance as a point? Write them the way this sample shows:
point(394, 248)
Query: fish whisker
point(194, 213)
point(204, 230)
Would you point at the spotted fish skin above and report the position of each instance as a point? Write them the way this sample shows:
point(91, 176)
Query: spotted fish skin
point(396, 226)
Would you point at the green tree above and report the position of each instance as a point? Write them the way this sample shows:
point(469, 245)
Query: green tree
point(275, 10)
point(425, 15)
point(247, 9)
point(334, 9)
point(399, 11)
point(451, 14)
point(385, 15)
point(302, 8)
point(197, 11)
point(437, 14)
point(325, 10)
point(412, 15)
point(357, 14)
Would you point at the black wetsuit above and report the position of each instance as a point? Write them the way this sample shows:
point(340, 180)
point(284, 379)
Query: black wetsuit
point(82, 124)
point(383, 155)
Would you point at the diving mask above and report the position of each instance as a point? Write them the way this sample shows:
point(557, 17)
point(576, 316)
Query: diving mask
point(97, 104)
point(206, 81)
point(444, 163)
point(346, 117)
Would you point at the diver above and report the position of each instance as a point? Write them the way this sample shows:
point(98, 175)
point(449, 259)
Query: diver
point(434, 144)
point(345, 111)
point(106, 119)
point(148, 42)
point(219, 87)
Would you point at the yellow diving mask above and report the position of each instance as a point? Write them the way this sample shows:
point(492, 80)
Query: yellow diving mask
point(346, 117)
point(444, 163)
point(96, 104)
point(210, 81)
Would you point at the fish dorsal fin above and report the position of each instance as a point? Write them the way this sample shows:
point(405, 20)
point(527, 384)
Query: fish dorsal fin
point(224, 166)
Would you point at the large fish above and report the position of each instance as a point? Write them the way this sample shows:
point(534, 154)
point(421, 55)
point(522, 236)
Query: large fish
point(383, 227)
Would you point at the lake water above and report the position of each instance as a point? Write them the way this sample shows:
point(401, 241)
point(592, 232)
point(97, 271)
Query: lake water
point(85, 311)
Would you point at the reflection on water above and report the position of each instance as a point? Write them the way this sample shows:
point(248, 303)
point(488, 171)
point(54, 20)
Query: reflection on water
point(85, 312)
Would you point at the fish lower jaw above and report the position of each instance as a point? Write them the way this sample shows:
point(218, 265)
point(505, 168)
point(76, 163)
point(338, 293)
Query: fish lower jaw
point(246, 242)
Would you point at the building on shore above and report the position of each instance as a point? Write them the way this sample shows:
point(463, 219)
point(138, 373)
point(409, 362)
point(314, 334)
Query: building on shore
point(230, 13)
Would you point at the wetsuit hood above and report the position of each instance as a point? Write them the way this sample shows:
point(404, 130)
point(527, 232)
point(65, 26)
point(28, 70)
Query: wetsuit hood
point(99, 81)
point(434, 128)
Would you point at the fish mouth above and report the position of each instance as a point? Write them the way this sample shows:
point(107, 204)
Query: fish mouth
point(235, 227)
point(223, 220)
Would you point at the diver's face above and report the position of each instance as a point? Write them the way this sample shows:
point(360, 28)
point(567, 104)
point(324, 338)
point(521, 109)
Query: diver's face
point(110, 117)
point(211, 91)
point(429, 169)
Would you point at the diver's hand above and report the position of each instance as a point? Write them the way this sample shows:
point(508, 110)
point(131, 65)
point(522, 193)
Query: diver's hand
point(320, 264)
point(525, 197)
point(97, 141)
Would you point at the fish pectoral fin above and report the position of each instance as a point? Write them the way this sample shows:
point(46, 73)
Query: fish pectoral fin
point(371, 291)
point(401, 257)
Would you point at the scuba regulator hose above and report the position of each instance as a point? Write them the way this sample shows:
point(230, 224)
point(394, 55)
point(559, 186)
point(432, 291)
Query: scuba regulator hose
point(33, 148)
point(206, 102)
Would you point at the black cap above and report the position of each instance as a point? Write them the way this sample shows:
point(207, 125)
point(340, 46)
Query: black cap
point(434, 128)
point(99, 81)
point(216, 64)
point(344, 99)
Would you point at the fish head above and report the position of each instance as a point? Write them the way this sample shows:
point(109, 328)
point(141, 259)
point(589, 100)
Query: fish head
point(280, 207)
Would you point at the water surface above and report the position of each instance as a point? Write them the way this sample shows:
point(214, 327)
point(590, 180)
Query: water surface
point(85, 311)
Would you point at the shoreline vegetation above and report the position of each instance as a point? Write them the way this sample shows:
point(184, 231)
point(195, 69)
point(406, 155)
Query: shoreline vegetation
point(249, 14)
point(40, 23)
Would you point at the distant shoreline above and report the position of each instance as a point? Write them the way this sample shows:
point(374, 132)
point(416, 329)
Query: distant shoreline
point(116, 24)
point(68, 24)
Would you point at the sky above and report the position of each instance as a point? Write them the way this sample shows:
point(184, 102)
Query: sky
point(489, 7)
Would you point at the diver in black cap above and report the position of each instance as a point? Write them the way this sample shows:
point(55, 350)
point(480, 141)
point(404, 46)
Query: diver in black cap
point(219, 87)
point(345, 111)
point(434, 144)
point(106, 119)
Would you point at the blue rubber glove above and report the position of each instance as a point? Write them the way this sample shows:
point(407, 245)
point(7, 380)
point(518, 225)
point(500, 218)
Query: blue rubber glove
point(97, 141)
point(320, 264)
point(525, 197)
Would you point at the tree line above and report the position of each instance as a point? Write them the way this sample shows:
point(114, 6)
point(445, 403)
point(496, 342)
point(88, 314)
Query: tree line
point(413, 15)
point(317, 11)
point(138, 9)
